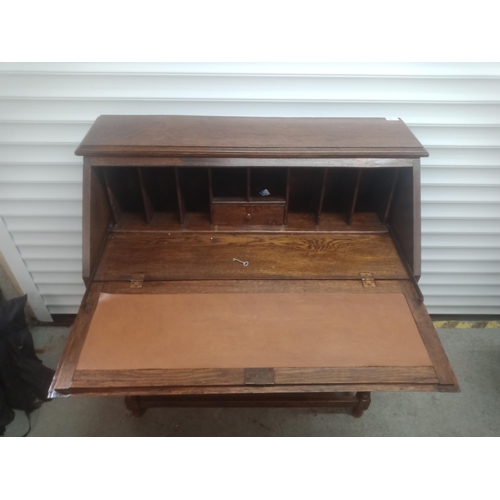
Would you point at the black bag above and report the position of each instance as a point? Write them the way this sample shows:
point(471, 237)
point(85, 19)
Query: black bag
point(24, 380)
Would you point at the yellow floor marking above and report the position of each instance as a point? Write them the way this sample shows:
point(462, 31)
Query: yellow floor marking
point(464, 324)
point(493, 324)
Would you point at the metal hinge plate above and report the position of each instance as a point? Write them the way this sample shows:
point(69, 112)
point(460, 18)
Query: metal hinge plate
point(367, 279)
point(259, 376)
point(137, 280)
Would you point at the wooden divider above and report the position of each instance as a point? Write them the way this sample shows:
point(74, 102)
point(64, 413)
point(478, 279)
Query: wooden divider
point(148, 205)
point(321, 196)
point(391, 196)
point(354, 197)
point(116, 208)
point(180, 199)
point(149, 193)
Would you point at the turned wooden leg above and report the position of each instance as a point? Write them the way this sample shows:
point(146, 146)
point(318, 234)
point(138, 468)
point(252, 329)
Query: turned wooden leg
point(364, 401)
point(132, 403)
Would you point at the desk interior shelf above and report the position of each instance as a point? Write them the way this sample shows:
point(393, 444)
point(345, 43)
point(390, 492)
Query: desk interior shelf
point(169, 198)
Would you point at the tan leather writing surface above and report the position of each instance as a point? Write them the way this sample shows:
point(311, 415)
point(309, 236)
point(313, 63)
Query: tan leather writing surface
point(251, 330)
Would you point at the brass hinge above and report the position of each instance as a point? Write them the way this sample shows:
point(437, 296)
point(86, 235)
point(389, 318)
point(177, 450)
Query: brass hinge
point(259, 376)
point(367, 279)
point(137, 280)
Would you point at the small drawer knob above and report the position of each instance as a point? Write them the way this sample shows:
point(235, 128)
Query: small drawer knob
point(248, 216)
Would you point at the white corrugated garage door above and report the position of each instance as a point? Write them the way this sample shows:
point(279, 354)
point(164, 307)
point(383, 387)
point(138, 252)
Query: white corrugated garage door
point(453, 109)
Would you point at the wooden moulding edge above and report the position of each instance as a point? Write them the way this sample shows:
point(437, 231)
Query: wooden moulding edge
point(242, 161)
point(272, 389)
point(444, 372)
point(252, 152)
point(65, 371)
point(93, 379)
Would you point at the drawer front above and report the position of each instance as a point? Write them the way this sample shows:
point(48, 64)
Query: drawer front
point(260, 214)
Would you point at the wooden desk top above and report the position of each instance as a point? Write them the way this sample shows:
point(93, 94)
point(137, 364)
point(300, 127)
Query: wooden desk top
point(217, 136)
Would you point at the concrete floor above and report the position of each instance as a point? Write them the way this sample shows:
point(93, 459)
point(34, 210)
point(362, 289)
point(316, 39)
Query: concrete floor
point(474, 354)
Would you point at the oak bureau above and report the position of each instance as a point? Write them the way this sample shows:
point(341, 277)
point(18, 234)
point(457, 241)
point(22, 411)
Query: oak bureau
point(237, 261)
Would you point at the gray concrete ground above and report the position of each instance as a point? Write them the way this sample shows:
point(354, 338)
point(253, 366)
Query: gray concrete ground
point(474, 354)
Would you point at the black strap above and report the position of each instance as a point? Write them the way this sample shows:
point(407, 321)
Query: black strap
point(28, 414)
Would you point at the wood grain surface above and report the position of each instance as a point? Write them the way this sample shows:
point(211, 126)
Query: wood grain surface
point(353, 286)
point(67, 365)
point(434, 347)
point(362, 222)
point(249, 136)
point(97, 219)
point(128, 379)
point(86, 389)
point(270, 256)
point(208, 161)
point(199, 320)
point(249, 214)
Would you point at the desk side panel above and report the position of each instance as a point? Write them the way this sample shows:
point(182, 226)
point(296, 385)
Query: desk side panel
point(405, 216)
point(96, 218)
